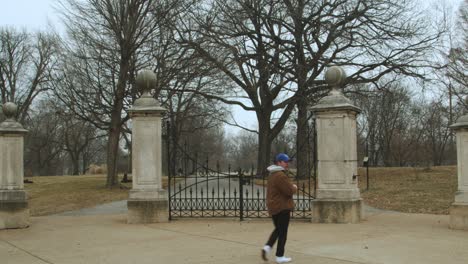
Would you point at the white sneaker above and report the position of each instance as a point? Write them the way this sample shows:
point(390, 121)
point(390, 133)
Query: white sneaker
point(265, 251)
point(283, 259)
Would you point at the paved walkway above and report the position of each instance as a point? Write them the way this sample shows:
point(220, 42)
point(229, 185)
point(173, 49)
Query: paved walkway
point(119, 207)
point(384, 237)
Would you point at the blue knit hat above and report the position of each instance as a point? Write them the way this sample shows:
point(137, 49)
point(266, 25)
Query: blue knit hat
point(282, 157)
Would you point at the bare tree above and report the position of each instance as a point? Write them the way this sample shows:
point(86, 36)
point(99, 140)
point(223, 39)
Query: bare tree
point(437, 131)
point(391, 127)
point(242, 150)
point(26, 62)
point(243, 40)
point(370, 38)
point(44, 151)
point(457, 65)
point(106, 40)
point(275, 52)
point(57, 141)
point(181, 77)
point(76, 136)
point(193, 121)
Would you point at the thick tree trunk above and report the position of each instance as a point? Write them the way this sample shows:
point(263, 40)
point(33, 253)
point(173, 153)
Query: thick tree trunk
point(264, 150)
point(115, 127)
point(174, 157)
point(264, 147)
point(75, 165)
point(302, 142)
point(112, 151)
point(84, 165)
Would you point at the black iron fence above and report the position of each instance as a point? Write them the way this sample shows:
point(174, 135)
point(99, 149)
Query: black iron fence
point(197, 190)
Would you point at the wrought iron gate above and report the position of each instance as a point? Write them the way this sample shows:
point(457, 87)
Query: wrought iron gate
point(196, 190)
point(204, 192)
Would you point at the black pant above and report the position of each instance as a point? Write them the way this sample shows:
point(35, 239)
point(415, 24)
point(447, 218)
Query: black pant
point(281, 221)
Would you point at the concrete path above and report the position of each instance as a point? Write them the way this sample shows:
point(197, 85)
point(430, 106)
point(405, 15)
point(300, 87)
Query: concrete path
point(119, 207)
point(384, 237)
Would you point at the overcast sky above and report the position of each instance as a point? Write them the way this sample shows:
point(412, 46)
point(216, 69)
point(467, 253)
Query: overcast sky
point(29, 14)
point(37, 14)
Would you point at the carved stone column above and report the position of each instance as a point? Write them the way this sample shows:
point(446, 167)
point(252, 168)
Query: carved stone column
point(338, 199)
point(148, 201)
point(459, 209)
point(14, 211)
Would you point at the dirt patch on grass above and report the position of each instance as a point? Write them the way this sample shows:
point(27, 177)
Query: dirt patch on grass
point(410, 190)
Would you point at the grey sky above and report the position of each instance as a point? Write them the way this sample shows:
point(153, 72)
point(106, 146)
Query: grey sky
point(29, 14)
point(38, 14)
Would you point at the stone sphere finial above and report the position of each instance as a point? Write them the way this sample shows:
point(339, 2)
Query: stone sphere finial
point(335, 77)
point(9, 110)
point(146, 80)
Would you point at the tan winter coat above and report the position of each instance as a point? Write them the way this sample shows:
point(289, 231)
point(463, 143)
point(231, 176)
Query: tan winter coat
point(280, 191)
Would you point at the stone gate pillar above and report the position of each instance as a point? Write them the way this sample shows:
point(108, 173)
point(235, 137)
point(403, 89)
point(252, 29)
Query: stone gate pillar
point(459, 209)
point(338, 199)
point(14, 211)
point(148, 201)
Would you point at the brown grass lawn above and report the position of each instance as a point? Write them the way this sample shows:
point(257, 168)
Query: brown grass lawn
point(406, 189)
point(411, 190)
point(55, 194)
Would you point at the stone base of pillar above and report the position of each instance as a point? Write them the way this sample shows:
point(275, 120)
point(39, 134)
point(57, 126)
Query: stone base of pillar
point(459, 216)
point(147, 194)
point(147, 211)
point(338, 194)
point(14, 211)
point(337, 211)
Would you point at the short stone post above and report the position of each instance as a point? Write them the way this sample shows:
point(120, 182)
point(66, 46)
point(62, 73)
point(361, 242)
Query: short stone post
point(14, 211)
point(338, 199)
point(148, 201)
point(459, 209)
